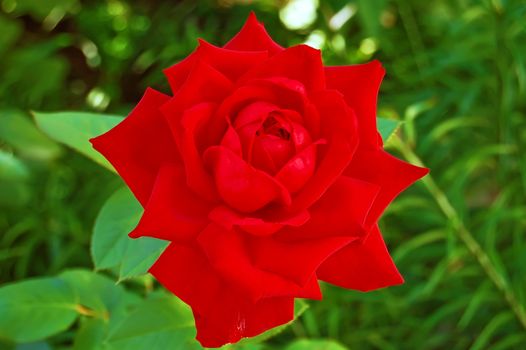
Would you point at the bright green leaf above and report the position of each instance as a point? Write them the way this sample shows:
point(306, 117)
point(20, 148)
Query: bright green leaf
point(99, 293)
point(21, 134)
point(75, 129)
point(386, 127)
point(140, 256)
point(90, 335)
point(35, 309)
point(161, 322)
point(111, 246)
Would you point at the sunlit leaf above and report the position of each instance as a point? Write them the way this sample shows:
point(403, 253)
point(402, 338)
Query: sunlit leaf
point(161, 322)
point(111, 246)
point(75, 129)
point(35, 309)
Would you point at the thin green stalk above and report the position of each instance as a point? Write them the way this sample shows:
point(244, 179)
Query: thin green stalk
point(464, 234)
point(413, 34)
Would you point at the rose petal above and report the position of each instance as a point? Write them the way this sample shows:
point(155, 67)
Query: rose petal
point(391, 174)
point(340, 133)
point(359, 84)
point(253, 37)
point(230, 63)
point(173, 212)
point(361, 266)
point(296, 261)
point(341, 211)
point(299, 169)
point(258, 226)
point(204, 84)
point(232, 142)
point(223, 314)
point(227, 253)
point(240, 185)
point(300, 62)
point(187, 135)
point(128, 148)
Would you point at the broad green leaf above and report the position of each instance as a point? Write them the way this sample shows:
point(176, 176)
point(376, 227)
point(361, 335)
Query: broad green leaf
point(161, 322)
point(140, 256)
point(90, 335)
point(75, 129)
point(308, 344)
point(386, 127)
point(111, 246)
point(21, 134)
point(107, 302)
point(99, 293)
point(35, 309)
point(118, 216)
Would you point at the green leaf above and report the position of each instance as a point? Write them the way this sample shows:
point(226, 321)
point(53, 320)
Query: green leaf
point(21, 134)
point(386, 127)
point(99, 293)
point(108, 303)
point(75, 129)
point(161, 322)
point(90, 335)
point(35, 309)
point(111, 246)
point(140, 256)
point(308, 344)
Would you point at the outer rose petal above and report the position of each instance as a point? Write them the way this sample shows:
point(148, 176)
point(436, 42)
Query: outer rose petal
point(253, 37)
point(129, 149)
point(173, 212)
point(231, 63)
point(187, 114)
point(391, 174)
point(362, 266)
point(341, 211)
point(359, 84)
point(228, 253)
point(223, 314)
point(301, 63)
point(296, 261)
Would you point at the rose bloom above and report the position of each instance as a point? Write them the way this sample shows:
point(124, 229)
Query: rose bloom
point(265, 171)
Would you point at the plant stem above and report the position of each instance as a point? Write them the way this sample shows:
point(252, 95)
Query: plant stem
point(463, 233)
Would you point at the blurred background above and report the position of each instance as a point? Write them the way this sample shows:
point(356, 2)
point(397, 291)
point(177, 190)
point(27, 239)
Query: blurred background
point(456, 78)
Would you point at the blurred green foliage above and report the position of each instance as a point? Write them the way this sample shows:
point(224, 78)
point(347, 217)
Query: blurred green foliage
point(456, 78)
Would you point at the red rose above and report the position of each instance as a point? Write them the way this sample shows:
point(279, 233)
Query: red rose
point(266, 172)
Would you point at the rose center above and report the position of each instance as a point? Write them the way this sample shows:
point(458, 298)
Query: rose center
point(273, 126)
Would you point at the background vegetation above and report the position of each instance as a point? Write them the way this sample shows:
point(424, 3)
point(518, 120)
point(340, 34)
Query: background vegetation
point(456, 79)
